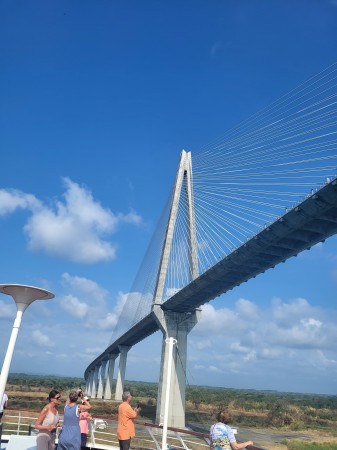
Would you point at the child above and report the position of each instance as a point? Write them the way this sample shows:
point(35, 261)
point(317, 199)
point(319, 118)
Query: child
point(84, 426)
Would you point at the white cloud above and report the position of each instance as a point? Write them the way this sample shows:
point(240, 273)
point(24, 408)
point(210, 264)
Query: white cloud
point(129, 309)
point(224, 320)
point(74, 306)
point(93, 351)
point(201, 345)
point(132, 217)
point(221, 353)
point(244, 338)
point(323, 360)
point(7, 309)
point(61, 236)
point(108, 322)
point(41, 339)
point(85, 300)
point(246, 309)
point(304, 334)
point(199, 367)
point(84, 287)
point(237, 347)
point(61, 356)
point(88, 302)
point(12, 199)
point(214, 369)
point(270, 353)
point(287, 313)
point(75, 228)
point(221, 321)
point(121, 299)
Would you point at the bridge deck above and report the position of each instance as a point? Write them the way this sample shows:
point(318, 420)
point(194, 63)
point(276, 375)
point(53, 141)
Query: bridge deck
point(310, 222)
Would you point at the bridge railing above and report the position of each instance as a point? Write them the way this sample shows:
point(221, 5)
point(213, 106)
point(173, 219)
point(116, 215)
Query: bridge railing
point(103, 433)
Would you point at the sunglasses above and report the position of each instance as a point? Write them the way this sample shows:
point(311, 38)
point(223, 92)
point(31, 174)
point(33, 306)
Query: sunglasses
point(57, 398)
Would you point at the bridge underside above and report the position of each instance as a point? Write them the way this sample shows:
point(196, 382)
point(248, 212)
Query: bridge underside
point(312, 221)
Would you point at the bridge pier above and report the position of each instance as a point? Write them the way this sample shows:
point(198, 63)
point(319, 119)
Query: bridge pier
point(94, 382)
point(101, 379)
point(176, 325)
point(110, 375)
point(121, 371)
point(89, 383)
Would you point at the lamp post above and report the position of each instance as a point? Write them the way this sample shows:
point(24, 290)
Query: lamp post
point(23, 297)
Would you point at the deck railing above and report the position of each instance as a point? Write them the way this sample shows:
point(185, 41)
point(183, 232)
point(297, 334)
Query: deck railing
point(103, 433)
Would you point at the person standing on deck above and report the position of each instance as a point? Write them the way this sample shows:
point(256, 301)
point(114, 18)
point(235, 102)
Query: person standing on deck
point(222, 436)
point(85, 418)
point(126, 426)
point(48, 422)
point(70, 436)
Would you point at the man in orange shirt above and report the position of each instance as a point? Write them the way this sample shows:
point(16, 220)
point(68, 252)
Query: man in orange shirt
point(126, 426)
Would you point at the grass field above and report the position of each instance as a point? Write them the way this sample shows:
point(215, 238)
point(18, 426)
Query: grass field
point(296, 445)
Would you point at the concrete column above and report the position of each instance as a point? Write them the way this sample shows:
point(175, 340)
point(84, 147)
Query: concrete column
point(176, 325)
point(94, 382)
point(110, 376)
point(101, 380)
point(121, 371)
point(89, 383)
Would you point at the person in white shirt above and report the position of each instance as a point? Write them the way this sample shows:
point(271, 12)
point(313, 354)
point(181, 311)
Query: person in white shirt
point(3, 405)
point(222, 436)
point(48, 422)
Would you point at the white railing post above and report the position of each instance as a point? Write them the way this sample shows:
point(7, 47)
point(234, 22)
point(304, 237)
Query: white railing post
point(181, 441)
point(149, 430)
point(92, 434)
point(19, 423)
point(170, 341)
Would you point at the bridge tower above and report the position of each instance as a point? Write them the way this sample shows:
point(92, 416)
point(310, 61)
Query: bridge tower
point(176, 324)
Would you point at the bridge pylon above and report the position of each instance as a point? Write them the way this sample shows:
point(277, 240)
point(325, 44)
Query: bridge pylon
point(173, 324)
point(176, 325)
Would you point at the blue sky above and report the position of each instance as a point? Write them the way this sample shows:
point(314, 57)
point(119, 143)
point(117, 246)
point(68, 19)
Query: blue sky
point(97, 99)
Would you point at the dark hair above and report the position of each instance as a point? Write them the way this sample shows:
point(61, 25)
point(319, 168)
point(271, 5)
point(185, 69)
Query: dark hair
point(224, 417)
point(73, 396)
point(52, 394)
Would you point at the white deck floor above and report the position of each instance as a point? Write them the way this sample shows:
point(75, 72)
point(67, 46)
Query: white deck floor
point(20, 443)
point(16, 442)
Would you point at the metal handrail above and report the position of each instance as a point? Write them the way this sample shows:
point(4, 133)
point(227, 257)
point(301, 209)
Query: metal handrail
point(103, 433)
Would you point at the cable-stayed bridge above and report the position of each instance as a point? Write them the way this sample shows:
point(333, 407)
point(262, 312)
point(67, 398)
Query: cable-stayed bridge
point(255, 197)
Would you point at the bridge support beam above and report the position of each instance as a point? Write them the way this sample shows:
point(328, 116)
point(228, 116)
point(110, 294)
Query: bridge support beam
point(94, 382)
point(110, 376)
point(121, 371)
point(176, 325)
point(101, 379)
point(89, 383)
